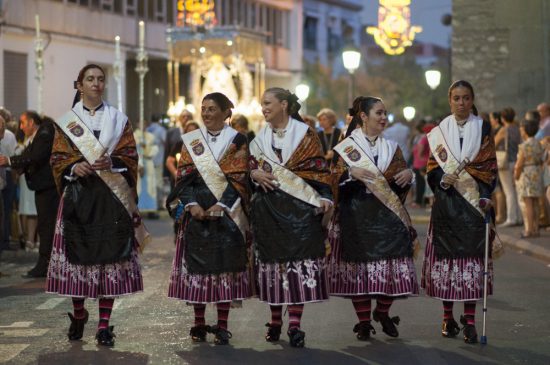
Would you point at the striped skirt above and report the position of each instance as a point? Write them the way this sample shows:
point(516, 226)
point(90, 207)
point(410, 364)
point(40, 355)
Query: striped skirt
point(389, 277)
point(295, 282)
point(454, 279)
point(90, 281)
point(207, 288)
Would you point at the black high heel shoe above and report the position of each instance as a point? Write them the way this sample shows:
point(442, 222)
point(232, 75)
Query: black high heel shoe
point(450, 328)
point(296, 337)
point(198, 333)
point(76, 329)
point(469, 330)
point(273, 332)
point(388, 324)
point(363, 330)
point(222, 335)
point(106, 337)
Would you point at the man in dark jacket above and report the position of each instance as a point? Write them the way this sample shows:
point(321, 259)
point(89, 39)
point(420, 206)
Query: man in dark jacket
point(34, 162)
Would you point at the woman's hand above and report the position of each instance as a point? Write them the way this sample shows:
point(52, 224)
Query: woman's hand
point(361, 174)
point(197, 212)
point(449, 179)
point(102, 163)
point(403, 178)
point(213, 209)
point(329, 155)
point(325, 206)
point(82, 169)
point(266, 180)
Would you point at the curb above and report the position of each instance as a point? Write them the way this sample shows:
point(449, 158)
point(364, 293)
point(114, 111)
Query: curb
point(527, 247)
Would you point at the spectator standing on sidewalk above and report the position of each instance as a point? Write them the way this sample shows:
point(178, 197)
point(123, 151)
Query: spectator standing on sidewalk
point(8, 143)
point(159, 132)
point(509, 138)
point(34, 163)
point(421, 153)
point(528, 173)
point(499, 200)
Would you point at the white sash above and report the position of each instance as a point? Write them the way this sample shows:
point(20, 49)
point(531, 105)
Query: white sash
point(466, 184)
point(212, 174)
point(355, 156)
point(289, 182)
point(91, 149)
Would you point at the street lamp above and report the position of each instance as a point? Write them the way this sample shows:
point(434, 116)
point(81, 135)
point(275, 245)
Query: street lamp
point(302, 92)
point(351, 59)
point(409, 112)
point(433, 78)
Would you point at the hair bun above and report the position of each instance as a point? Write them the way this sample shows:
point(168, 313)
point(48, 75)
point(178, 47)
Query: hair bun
point(351, 112)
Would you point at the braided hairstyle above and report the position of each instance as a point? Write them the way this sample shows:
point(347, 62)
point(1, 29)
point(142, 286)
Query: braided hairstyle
point(221, 101)
point(360, 104)
point(80, 78)
point(467, 85)
point(292, 100)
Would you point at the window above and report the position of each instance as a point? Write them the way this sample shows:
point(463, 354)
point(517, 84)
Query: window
point(310, 33)
point(15, 82)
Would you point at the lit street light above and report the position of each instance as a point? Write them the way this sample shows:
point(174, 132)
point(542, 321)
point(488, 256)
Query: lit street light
point(409, 112)
point(302, 92)
point(433, 78)
point(351, 59)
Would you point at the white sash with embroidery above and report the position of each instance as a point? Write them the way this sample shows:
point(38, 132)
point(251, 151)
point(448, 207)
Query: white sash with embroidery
point(466, 184)
point(91, 149)
point(354, 156)
point(289, 182)
point(212, 174)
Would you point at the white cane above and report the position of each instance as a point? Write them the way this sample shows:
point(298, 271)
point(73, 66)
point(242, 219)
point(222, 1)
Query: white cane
point(483, 340)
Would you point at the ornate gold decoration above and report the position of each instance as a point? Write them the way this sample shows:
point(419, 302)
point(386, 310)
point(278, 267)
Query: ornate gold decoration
point(394, 31)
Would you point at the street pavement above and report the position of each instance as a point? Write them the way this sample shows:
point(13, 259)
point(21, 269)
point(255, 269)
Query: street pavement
point(152, 329)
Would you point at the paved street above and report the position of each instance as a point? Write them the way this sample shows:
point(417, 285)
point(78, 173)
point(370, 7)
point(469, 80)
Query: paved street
point(152, 329)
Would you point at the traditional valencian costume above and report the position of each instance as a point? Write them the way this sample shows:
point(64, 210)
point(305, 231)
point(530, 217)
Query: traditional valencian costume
point(288, 233)
point(371, 233)
point(98, 230)
point(213, 261)
point(454, 259)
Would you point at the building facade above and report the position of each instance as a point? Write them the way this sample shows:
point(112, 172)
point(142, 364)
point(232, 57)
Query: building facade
point(77, 32)
point(329, 26)
point(503, 48)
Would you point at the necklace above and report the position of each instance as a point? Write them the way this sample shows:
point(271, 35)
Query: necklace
point(280, 133)
point(372, 143)
point(92, 110)
point(214, 136)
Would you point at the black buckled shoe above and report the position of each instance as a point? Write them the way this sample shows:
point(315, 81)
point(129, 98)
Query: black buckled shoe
point(388, 324)
point(363, 330)
point(469, 330)
point(273, 332)
point(296, 337)
point(222, 335)
point(450, 328)
point(105, 337)
point(76, 329)
point(198, 333)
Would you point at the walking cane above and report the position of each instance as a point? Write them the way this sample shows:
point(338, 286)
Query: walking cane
point(483, 339)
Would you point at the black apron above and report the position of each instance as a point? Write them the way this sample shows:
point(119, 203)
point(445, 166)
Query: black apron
point(97, 229)
point(370, 231)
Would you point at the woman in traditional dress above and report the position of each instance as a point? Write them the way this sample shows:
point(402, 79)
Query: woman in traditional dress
point(212, 262)
point(292, 191)
point(462, 173)
point(371, 233)
point(98, 230)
